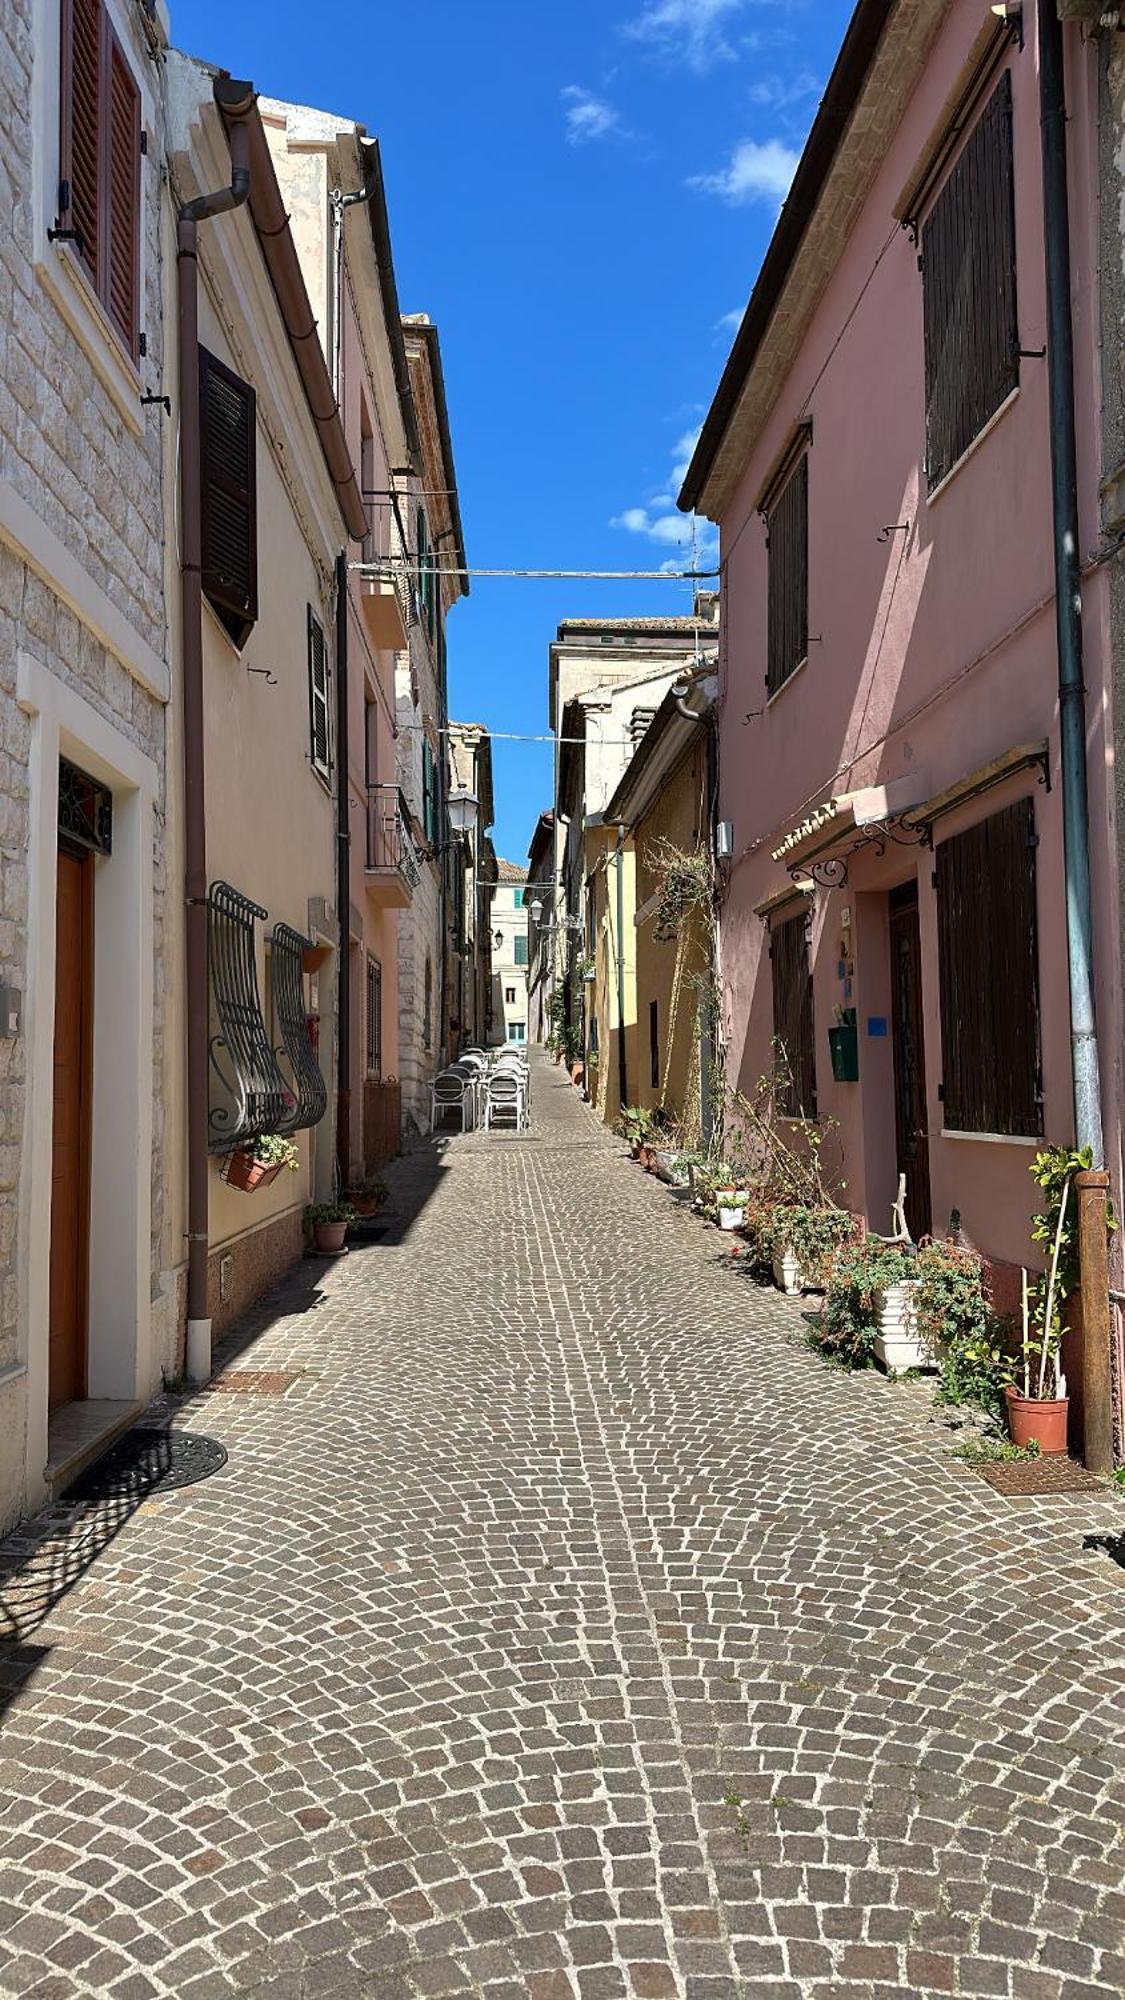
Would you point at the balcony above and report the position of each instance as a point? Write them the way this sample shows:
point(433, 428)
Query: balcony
point(385, 601)
point(392, 861)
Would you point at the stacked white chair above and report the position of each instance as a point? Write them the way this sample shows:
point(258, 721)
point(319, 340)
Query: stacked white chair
point(453, 1090)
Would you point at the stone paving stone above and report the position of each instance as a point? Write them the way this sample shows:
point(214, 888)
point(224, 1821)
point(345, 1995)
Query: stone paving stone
point(564, 1629)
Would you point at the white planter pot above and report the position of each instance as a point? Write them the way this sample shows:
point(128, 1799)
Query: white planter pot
point(731, 1218)
point(898, 1343)
point(787, 1273)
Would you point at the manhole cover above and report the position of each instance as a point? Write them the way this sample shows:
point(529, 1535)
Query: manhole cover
point(254, 1381)
point(1039, 1475)
point(148, 1461)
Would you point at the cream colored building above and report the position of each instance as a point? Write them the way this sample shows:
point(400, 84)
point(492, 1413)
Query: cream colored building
point(87, 896)
point(331, 176)
point(269, 567)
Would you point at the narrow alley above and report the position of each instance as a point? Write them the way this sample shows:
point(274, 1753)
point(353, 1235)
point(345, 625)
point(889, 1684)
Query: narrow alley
point(559, 1626)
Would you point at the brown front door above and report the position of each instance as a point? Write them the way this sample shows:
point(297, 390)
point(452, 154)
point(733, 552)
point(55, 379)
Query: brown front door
point(909, 1057)
point(70, 1170)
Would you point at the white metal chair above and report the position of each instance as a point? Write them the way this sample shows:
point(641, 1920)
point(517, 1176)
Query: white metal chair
point(451, 1091)
point(505, 1103)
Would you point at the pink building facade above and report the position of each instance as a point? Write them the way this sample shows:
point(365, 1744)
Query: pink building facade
point(878, 462)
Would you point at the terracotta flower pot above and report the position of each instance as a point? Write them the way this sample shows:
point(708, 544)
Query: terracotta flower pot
point(577, 1072)
point(1041, 1423)
point(329, 1236)
point(246, 1173)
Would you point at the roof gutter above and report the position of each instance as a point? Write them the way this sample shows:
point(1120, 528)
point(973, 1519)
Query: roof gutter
point(429, 332)
point(845, 85)
point(375, 190)
point(271, 224)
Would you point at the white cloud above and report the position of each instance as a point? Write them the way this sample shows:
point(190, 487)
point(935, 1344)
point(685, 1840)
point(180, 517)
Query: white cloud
point(730, 322)
point(658, 521)
point(781, 92)
point(589, 117)
point(691, 31)
point(756, 171)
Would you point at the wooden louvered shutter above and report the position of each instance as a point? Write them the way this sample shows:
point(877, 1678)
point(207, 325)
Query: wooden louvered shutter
point(121, 238)
point(429, 791)
point(969, 289)
point(788, 578)
point(989, 976)
point(228, 481)
point(80, 138)
point(793, 1020)
point(319, 733)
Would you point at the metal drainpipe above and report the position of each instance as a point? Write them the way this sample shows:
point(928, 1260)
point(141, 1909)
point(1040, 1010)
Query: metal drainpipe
point(239, 100)
point(343, 883)
point(1068, 587)
point(622, 1071)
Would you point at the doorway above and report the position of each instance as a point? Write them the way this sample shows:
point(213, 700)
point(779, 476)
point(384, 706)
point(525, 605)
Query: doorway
point(70, 1138)
point(911, 1137)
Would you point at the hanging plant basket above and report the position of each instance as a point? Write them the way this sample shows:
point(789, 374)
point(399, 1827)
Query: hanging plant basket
point(313, 957)
point(244, 1172)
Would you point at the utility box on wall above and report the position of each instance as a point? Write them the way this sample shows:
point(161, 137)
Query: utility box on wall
point(843, 1041)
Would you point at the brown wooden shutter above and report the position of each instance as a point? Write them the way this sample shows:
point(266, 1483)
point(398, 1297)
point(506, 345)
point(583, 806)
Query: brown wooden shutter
point(793, 1019)
point(989, 976)
point(123, 198)
point(788, 578)
point(80, 147)
point(969, 289)
point(228, 481)
point(319, 732)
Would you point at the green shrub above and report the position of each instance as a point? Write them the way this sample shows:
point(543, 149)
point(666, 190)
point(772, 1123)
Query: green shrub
point(848, 1323)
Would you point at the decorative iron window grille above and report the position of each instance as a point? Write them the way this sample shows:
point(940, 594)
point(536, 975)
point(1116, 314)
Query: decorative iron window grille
point(307, 1092)
point(254, 1097)
point(85, 809)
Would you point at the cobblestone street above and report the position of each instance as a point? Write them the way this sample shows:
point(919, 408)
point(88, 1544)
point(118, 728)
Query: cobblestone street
point(563, 1628)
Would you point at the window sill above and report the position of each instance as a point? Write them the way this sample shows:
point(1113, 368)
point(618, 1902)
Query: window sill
point(992, 1138)
point(787, 682)
point(970, 450)
point(61, 274)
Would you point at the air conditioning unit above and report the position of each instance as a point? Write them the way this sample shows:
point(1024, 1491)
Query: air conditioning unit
point(724, 840)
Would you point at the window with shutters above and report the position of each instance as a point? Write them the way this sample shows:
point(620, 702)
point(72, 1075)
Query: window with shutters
point(787, 587)
point(793, 1018)
point(320, 725)
point(374, 1019)
point(99, 194)
point(228, 495)
point(521, 951)
point(968, 264)
point(988, 968)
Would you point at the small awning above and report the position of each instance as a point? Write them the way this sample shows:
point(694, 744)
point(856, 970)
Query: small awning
point(815, 850)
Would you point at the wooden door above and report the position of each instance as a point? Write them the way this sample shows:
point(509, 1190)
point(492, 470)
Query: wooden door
point(70, 1169)
point(912, 1139)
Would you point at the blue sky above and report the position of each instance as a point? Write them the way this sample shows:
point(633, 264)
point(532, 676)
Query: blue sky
point(580, 196)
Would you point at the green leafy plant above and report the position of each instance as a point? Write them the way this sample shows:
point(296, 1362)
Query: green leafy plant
point(1055, 1228)
point(957, 1323)
point(328, 1211)
point(848, 1323)
point(270, 1149)
point(812, 1235)
point(729, 1202)
point(995, 1451)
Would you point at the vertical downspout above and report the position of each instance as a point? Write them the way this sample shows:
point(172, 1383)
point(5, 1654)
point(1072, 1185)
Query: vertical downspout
point(238, 100)
point(1068, 587)
point(343, 885)
point(622, 1072)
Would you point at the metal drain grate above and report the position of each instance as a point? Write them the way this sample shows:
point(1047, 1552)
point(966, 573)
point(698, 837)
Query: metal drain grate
point(1039, 1476)
point(254, 1382)
point(148, 1461)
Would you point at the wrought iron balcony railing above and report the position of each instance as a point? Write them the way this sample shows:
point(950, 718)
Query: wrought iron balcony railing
point(391, 853)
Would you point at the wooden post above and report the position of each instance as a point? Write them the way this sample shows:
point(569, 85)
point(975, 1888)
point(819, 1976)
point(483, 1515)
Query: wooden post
point(1092, 1189)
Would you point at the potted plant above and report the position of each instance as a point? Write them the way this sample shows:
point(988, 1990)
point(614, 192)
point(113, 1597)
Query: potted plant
point(368, 1197)
point(257, 1164)
point(1038, 1404)
point(732, 1209)
point(328, 1221)
point(804, 1241)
